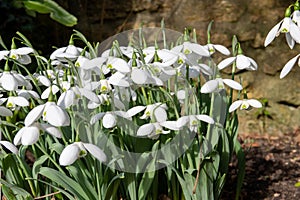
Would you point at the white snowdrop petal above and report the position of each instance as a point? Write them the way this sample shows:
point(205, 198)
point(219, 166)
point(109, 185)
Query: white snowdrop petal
point(295, 32)
point(206, 69)
point(51, 130)
point(233, 84)
point(3, 54)
point(160, 114)
point(288, 66)
point(235, 105)
point(44, 80)
point(9, 146)
point(145, 130)
point(89, 95)
point(197, 48)
point(5, 112)
point(182, 121)
point(24, 59)
point(24, 50)
point(222, 49)
point(210, 86)
point(205, 118)
point(56, 116)
point(18, 136)
point(253, 63)
point(8, 82)
point(30, 135)
point(139, 76)
point(96, 117)
point(242, 62)
point(272, 34)
point(224, 63)
point(109, 120)
point(118, 79)
point(95, 62)
point(34, 114)
point(69, 155)
point(135, 110)
point(172, 125)
point(95, 151)
point(290, 41)
point(254, 103)
point(120, 65)
point(20, 101)
point(119, 104)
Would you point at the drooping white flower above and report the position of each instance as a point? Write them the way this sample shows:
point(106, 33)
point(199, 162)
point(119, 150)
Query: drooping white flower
point(151, 130)
point(10, 80)
point(50, 112)
point(242, 62)
point(20, 54)
point(109, 119)
point(9, 146)
point(289, 65)
point(29, 135)
point(156, 112)
point(27, 94)
point(212, 48)
point(193, 121)
point(218, 84)
point(188, 48)
point(79, 149)
point(287, 26)
point(143, 76)
point(64, 54)
point(245, 104)
point(13, 101)
point(117, 64)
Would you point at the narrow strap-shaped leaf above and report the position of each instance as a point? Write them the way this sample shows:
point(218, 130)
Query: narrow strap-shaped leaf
point(63, 180)
point(241, 168)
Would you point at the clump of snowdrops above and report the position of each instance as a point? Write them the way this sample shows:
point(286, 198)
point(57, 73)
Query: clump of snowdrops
point(133, 121)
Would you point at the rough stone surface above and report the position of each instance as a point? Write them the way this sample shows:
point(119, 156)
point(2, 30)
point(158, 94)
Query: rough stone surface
point(250, 21)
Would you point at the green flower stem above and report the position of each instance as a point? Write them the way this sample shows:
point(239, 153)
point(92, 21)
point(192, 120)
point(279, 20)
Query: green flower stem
point(50, 158)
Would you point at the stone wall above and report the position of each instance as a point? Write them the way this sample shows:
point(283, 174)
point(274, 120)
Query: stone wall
point(250, 20)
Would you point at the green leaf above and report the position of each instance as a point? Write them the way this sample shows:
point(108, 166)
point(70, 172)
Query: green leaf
point(56, 12)
point(85, 183)
point(8, 193)
point(241, 168)
point(63, 180)
point(14, 192)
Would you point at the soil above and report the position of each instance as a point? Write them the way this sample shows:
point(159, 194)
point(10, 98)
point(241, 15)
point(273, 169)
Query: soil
point(272, 168)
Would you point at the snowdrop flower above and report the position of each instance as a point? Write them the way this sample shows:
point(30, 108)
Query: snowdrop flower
point(104, 99)
point(242, 62)
point(118, 64)
point(152, 130)
point(105, 86)
point(20, 54)
point(193, 121)
point(109, 119)
point(64, 54)
point(51, 113)
point(156, 112)
point(29, 135)
point(287, 26)
point(27, 94)
point(143, 76)
point(79, 149)
point(9, 146)
point(125, 94)
point(245, 104)
point(12, 102)
point(188, 48)
point(212, 48)
point(11, 80)
point(69, 98)
point(218, 84)
point(289, 65)
point(119, 79)
point(52, 88)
